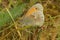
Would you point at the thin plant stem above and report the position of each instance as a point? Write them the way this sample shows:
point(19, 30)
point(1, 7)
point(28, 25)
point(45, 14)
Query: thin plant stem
point(14, 22)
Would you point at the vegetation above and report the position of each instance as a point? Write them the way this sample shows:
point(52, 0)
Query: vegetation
point(12, 10)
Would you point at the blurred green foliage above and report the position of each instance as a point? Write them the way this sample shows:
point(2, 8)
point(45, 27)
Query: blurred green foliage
point(15, 12)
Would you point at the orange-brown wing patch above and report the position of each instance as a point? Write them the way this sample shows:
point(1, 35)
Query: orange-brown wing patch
point(30, 11)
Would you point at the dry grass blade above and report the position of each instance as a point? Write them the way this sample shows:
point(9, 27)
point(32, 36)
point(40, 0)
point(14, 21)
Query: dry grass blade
point(6, 28)
point(14, 23)
point(5, 36)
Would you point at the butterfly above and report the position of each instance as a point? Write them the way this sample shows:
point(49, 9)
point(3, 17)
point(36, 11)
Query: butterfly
point(34, 16)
